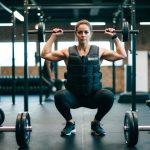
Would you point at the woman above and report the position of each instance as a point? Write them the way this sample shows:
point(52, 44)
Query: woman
point(83, 86)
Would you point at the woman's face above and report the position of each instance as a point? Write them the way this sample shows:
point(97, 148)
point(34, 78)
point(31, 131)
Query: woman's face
point(83, 34)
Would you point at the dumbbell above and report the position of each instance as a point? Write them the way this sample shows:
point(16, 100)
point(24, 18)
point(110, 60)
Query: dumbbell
point(22, 129)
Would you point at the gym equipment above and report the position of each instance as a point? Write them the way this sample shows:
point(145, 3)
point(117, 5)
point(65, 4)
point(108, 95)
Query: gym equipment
point(131, 127)
point(126, 97)
point(22, 129)
point(33, 82)
point(2, 116)
point(41, 31)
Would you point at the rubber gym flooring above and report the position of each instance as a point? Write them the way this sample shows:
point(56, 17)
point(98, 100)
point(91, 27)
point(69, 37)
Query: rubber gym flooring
point(47, 124)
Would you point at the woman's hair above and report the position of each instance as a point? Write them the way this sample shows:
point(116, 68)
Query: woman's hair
point(83, 21)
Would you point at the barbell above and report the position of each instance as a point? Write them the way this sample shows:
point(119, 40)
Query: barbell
point(22, 128)
point(41, 31)
point(131, 127)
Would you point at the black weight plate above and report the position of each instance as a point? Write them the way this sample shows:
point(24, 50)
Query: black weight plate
point(18, 129)
point(131, 128)
point(41, 34)
point(23, 135)
point(148, 103)
point(125, 31)
point(136, 130)
point(2, 116)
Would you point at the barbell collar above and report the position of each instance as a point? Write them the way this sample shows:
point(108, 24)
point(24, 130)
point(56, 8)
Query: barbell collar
point(13, 129)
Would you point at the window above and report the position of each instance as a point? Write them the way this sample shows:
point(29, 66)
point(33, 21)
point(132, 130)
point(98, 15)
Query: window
point(6, 53)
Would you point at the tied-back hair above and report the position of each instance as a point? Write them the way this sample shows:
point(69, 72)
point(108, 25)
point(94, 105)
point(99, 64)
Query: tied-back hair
point(83, 21)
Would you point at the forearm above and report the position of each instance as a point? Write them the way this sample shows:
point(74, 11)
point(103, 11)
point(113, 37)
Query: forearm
point(47, 49)
point(119, 47)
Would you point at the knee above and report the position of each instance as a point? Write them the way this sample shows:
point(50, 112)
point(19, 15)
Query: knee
point(58, 96)
point(108, 96)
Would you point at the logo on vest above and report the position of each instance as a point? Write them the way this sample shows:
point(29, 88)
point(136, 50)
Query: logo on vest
point(93, 58)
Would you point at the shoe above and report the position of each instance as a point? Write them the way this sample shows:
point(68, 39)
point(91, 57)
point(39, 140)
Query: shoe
point(69, 129)
point(96, 129)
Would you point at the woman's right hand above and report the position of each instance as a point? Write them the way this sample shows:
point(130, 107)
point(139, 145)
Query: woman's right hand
point(57, 31)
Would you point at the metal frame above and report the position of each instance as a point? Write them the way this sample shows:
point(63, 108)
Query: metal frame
point(13, 57)
point(133, 49)
point(25, 55)
point(73, 6)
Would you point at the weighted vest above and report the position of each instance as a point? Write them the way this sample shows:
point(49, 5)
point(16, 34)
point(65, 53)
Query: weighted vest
point(83, 73)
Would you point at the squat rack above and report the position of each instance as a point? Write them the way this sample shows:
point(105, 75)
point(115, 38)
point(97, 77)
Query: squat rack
point(35, 6)
point(13, 36)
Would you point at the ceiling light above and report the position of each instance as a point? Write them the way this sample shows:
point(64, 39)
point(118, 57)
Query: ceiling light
point(6, 24)
point(92, 23)
point(144, 23)
point(18, 16)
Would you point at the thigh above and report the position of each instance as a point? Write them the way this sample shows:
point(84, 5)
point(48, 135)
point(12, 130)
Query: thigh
point(68, 98)
point(101, 97)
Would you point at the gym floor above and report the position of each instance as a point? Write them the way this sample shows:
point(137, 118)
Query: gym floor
point(47, 124)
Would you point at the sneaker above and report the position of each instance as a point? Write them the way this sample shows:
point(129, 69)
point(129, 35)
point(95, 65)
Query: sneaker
point(69, 129)
point(96, 129)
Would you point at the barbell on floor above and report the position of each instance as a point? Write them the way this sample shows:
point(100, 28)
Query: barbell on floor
point(41, 31)
point(22, 129)
point(131, 127)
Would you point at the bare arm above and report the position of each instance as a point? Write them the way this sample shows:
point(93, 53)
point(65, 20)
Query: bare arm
point(48, 63)
point(111, 55)
point(47, 52)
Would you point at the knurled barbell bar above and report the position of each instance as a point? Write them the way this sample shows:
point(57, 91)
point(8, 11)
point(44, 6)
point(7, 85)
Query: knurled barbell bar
point(131, 127)
point(22, 129)
point(41, 31)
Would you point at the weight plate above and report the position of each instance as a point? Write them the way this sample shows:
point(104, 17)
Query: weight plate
point(125, 31)
point(2, 116)
point(41, 34)
point(131, 128)
point(136, 130)
point(22, 134)
point(18, 129)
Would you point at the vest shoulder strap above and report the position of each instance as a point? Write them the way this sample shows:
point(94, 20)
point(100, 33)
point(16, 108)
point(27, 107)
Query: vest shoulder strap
point(94, 50)
point(73, 50)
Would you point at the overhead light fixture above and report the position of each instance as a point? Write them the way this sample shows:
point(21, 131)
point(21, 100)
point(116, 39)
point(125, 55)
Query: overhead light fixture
point(92, 23)
point(18, 15)
point(144, 23)
point(6, 24)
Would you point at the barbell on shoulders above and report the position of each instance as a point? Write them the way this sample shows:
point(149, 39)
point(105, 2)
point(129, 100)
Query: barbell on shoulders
point(22, 129)
point(124, 31)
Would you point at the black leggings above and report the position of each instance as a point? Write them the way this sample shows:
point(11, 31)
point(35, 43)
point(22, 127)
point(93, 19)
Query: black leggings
point(102, 100)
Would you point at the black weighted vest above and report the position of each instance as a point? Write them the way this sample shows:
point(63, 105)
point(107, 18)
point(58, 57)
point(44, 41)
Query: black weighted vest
point(83, 73)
